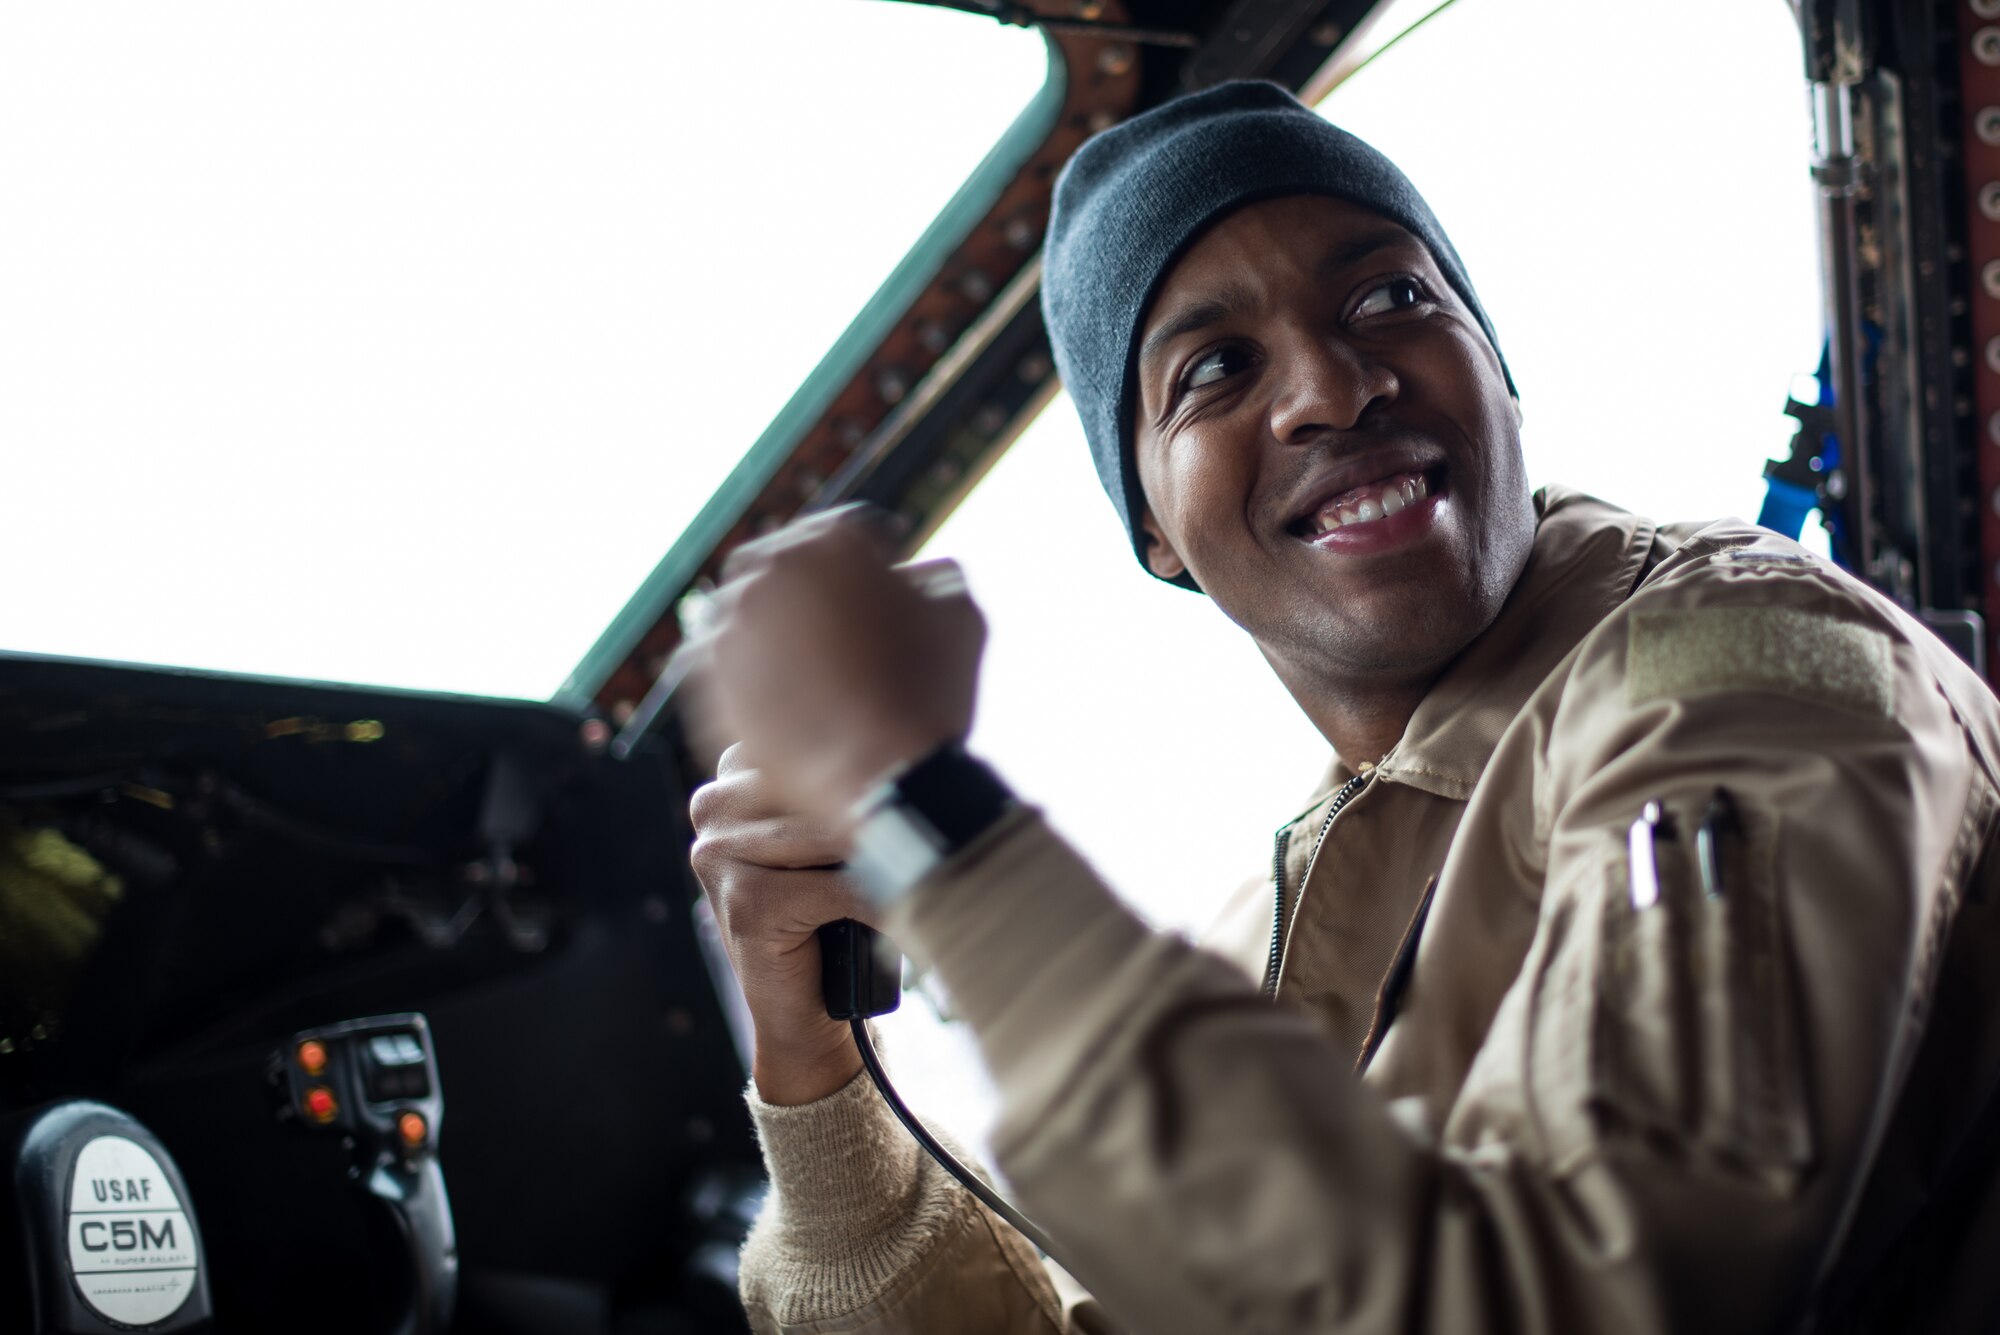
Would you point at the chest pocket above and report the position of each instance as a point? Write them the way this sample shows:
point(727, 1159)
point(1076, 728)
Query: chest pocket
point(1671, 1019)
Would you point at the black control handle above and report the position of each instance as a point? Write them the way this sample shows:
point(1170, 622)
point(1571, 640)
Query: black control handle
point(858, 977)
point(374, 1082)
point(417, 1202)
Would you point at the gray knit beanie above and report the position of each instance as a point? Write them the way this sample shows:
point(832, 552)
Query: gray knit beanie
point(1134, 198)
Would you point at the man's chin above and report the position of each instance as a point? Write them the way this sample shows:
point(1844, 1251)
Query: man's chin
point(1402, 638)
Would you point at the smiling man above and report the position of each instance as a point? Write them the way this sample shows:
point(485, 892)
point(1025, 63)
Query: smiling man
point(1377, 505)
point(1636, 967)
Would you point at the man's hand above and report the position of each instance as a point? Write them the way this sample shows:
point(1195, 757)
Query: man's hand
point(768, 872)
point(834, 666)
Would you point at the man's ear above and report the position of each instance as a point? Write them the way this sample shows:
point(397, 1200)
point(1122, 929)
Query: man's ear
point(1161, 558)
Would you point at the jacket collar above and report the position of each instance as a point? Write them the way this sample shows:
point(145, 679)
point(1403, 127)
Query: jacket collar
point(1586, 559)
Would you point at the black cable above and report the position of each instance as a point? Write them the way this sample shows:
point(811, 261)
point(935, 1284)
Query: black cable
point(948, 1161)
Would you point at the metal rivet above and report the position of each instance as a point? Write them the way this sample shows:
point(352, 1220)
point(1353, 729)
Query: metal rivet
point(1989, 200)
point(1326, 34)
point(976, 286)
point(1993, 428)
point(1020, 232)
point(1987, 125)
point(1986, 9)
point(1989, 278)
point(892, 382)
point(621, 712)
point(1102, 119)
point(944, 472)
point(1090, 11)
point(849, 432)
point(1118, 59)
point(1034, 368)
point(1993, 354)
point(933, 336)
point(989, 419)
point(596, 734)
point(1986, 46)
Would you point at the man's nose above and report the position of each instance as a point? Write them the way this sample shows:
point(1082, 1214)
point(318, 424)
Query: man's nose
point(1325, 383)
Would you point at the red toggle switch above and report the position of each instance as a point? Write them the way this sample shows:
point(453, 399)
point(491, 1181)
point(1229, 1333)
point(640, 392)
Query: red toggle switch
point(321, 1106)
point(412, 1127)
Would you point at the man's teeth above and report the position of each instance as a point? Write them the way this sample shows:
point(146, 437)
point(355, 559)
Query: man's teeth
point(1371, 502)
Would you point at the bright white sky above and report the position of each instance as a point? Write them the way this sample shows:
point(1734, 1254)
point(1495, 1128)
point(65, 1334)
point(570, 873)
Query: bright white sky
point(394, 344)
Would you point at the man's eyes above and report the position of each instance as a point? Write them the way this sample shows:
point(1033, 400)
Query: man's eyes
point(1387, 297)
point(1392, 294)
point(1214, 365)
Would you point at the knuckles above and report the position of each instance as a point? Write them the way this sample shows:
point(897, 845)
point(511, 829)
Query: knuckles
point(706, 807)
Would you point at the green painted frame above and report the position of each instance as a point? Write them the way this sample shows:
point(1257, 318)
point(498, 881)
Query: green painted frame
point(815, 396)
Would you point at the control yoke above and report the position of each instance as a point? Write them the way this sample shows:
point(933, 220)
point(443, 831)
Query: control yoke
point(374, 1083)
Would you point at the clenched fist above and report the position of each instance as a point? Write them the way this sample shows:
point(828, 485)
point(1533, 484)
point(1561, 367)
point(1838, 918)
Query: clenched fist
point(833, 665)
point(769, 873)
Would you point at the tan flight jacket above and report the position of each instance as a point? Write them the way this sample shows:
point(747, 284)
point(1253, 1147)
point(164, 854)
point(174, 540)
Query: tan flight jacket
point(1590, 1105)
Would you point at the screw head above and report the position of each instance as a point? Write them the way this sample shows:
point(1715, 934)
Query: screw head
point(893, 383)
point(975, 286)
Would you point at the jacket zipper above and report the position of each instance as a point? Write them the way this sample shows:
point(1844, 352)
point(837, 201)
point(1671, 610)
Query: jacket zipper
point(1284, 841)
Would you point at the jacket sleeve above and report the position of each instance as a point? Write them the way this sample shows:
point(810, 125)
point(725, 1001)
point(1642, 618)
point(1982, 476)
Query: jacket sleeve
point(863, 1232)
point(1667, 1122)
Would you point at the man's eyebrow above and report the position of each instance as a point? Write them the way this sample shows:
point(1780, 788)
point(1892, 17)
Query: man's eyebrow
point(1196, 315)
point(1361, 247)
point(1229, 301)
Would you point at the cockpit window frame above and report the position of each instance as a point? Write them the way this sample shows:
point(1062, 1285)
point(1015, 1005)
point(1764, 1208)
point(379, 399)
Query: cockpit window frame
point(858, 343)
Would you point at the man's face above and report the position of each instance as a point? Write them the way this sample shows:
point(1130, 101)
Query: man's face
point(1326, 443)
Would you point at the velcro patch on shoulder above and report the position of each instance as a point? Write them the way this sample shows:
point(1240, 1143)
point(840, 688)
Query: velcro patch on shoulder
point(1702, 650)
point(1763, 556)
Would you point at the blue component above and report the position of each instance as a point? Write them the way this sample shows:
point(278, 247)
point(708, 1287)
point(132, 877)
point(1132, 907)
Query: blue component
point(1786, 506)
point(1787, 501)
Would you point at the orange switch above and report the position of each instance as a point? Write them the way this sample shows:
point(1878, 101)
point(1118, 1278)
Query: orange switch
point(412, 1128)
point(312, 1056)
